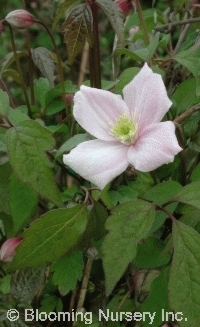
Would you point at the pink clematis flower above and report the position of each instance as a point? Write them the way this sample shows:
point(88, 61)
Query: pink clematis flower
point(128, 131)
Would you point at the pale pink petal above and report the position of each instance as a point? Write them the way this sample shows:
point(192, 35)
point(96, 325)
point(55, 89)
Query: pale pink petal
point(98, 161)
point(95, 110)
point(157, 146)
point(146, 96)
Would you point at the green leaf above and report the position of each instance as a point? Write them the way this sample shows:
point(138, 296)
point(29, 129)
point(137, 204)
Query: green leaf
point(51, 303)
point(129, 223)
point(67, 271)
point(26, 283)
point(185, 271)
point(114, 14)
point(54, 107)
point(62, 8)
point(142, 54)
point(190, 215)
point(195, 177)
point(10, 59)
point(16, 116)
point(185, 95)
point(5, 284)
point(26, 145)
point(4, 103)
point(189, 59)
point(13, 74)
point(125, 78)
point(163, 192)
point(42, 58)
point(72, 143)
point(150, 254)
point(190, 194)
point(137, 55)
point(5, 172)
point(41, 88)
point(54, 234)
point(78, 29)
point(157, 299)
point(23, 202)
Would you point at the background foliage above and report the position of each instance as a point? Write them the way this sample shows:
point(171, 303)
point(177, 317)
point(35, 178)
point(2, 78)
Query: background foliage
point(135, 246)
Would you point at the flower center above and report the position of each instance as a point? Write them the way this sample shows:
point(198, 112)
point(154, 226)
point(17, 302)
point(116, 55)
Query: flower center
point(124, 129)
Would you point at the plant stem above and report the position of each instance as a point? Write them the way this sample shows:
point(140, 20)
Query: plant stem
point(20, 71)
point(8, 93)
point(59, 67)
point(167, 27)
point(95, 68)
point(142, 23)
point(186, 114)
point(84, 284)
point(167, 212)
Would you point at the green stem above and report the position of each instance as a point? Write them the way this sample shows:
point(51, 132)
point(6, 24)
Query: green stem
point(167, 27)
point(30, 62)
point(60, 70)
point(8, 93)
point(167, 212)
point(142, 23)
point(20, 71)
point(95, 68)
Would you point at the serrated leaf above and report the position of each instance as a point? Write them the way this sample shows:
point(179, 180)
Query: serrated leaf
point(16, 116)
point(114, 14)
point(67, 271)
point(72, 143)
point(190, 59)
point(163, 192)
point(50, 237)
point(4, 103)
point(25, 284)
point(78, 29)
point(62, 8)
point(129, 223)
point(185, 95)
point(157, 299)
point(190, 194)
point(185, 270)
point(42, 58)
point(95, 226)
point(26, 145)
point(22, 201)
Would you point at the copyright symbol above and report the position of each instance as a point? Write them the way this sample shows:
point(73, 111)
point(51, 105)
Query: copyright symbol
point(12, 314)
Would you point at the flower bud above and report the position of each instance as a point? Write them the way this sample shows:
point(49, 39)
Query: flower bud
point(7, 250)
point(125, 5)
point(20, 18)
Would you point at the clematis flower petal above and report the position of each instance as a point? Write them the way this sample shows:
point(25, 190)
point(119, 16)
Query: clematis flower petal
point(98, 161)
point(95, 110)
point(146, 96)
point(156, 147)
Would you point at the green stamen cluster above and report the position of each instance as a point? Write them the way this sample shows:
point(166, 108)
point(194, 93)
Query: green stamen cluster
point(124, 129)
